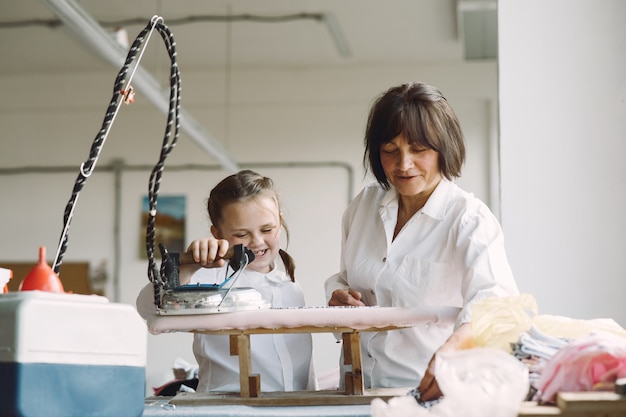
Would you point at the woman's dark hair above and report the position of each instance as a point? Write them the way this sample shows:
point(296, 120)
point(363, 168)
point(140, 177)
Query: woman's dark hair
point(422, 114)
point(242, 186)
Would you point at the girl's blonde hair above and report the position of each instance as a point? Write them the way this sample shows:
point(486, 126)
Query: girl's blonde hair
point(242, 186)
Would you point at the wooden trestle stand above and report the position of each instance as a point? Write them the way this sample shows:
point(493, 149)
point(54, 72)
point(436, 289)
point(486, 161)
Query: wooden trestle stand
point(250, 383)
point(350, 322)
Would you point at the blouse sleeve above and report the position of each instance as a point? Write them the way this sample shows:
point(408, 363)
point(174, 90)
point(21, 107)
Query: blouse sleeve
point(145, 302)
point(480, 249)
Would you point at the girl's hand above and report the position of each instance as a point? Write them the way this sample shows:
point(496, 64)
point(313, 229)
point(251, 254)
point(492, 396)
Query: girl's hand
point(342, 298)
point(206, 253)
point(209, 252)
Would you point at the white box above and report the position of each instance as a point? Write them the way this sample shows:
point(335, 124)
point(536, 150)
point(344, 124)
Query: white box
point(66, 355)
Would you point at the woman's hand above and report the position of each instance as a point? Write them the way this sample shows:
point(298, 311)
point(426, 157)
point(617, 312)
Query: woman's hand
point(342, 298)
point(428, 387)
point(460, 339)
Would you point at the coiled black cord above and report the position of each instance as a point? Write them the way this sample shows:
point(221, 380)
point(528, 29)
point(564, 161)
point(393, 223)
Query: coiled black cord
point(169, 142)
point(121, 93)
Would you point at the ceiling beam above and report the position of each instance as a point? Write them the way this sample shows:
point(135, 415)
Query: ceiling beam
point(89, 31)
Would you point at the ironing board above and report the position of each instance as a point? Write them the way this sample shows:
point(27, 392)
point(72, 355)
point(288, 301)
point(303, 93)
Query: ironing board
point(349, 321)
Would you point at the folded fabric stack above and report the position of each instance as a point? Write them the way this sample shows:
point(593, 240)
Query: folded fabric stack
point(535, 348)
point(586, 364)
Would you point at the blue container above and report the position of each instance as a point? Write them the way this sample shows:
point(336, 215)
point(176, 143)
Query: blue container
point(70, 355)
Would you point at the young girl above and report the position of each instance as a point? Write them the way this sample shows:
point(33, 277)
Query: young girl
point(244, 209)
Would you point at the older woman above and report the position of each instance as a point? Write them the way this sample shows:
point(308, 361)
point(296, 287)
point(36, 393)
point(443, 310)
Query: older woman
point(414, 238)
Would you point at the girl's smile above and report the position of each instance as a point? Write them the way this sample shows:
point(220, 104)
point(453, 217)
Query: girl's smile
point(254, 223)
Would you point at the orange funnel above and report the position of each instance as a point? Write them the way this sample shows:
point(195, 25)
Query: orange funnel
point(42, 277)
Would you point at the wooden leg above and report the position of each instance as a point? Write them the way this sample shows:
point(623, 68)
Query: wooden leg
point(347, 349)
point(357, 371)
point(348, 383)
point(250, 385)
point(352, 356)
point(254, 382)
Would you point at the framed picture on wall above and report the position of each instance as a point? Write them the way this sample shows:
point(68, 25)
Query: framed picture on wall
point(169, 224)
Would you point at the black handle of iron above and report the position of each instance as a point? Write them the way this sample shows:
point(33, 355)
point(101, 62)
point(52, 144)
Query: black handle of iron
point(239, 257)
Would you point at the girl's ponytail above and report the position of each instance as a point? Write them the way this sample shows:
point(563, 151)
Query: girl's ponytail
point(289, 263)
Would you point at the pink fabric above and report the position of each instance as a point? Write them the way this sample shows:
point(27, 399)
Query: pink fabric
point(582, 364)
point(357, 318)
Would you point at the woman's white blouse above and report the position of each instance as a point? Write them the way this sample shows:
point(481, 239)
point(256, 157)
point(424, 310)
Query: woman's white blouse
point(450, 253)
point(284, 361)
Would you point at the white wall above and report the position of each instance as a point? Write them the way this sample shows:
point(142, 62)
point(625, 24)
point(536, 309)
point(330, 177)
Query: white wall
point(315, 115)
point(562, 88)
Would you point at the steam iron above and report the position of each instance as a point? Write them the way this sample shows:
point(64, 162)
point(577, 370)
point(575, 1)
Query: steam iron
point(177, 299)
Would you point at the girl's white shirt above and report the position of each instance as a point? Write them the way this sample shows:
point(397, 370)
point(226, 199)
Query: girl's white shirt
point(284, 361)
point(450, 253)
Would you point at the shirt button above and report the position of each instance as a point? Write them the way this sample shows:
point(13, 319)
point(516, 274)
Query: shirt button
point(385, 259)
